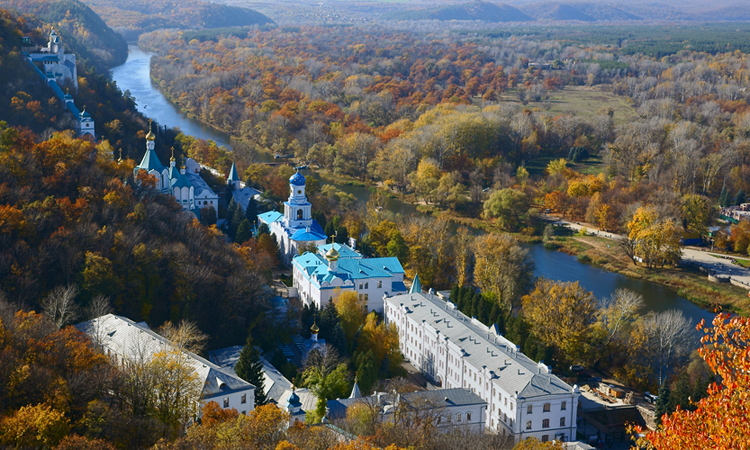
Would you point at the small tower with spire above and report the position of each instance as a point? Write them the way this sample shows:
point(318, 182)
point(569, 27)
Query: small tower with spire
point(356, 393)
point(233, 179)
point(314, 331)
point(416, 286)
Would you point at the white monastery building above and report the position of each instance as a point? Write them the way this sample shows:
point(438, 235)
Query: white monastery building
point(523, 398)
point(296, 226)
point(122, 340)
point(185, 185)
point(55, 67)
point(450, 409)
point(317, 276)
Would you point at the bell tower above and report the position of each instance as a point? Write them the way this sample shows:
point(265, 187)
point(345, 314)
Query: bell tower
point(297, 210)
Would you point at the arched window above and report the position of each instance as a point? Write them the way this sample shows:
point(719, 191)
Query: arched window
point(546, 407)
point(545, 423)
point(299, 214)
point(528, 424)
point(468, 417)
point(458, 417)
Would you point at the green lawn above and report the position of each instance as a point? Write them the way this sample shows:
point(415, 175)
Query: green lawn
point(584, 101)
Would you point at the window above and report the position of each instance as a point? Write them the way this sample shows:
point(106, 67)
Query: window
point(226, 402)
point(449, 417)
point(563, 406)
point(244, 413)
point(380, 284)
point(562, 421)
point(243, 399)
point(528, 424)
point(468, 417)
point(545, 423)
point(545, 438)
point(366, 297)
point(546, 407)
point(299, 214)
point(360, 287)
point(440, 418)
point(529, 409)
point(458, 418)
point(367, 285)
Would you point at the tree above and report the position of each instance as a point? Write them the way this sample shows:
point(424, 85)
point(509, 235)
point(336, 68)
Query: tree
point(503, 270)
point(251, 212)
point(185, 335)
point(177, 388)
point(561, 315)
point(34, 426)
point(426, 179)
point(667, 335)
point(244, 232)
point(657, 242)
point(724, 196)
point(740, 197)
point(60, 305)
point(696, 213)
point(326, 375)
point(621, 308)
point(350, 307)
point(662, 402)
point(250, 368)
point(720, 419)
point(507, 205)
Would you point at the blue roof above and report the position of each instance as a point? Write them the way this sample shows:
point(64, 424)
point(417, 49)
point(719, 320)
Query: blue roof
point(233, 174)
point(316, 268)
point(344, 250)
point(177, 179)
point(150, 162)
point(398, 286)
point(270, 216)
point(304, 235)
point(297, 179)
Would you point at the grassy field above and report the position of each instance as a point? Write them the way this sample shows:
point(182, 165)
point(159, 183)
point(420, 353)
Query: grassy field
point(583, 101)
point(691, 284)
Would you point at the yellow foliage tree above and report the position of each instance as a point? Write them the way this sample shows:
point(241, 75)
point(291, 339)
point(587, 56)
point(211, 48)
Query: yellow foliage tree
point(351, 310)
point(657, 242)
point(561, 315)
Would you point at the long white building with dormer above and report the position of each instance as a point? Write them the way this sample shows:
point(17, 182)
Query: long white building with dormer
point(524, 399)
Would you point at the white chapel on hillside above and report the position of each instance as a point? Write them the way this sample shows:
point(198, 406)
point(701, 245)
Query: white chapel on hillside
point(296, 226)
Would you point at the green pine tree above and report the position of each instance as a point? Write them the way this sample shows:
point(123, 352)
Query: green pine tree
point(251, 212)
point(724, 197)
point(244, 232)
point(740, 197)
point(237, 218)
point(662, 404)
point(250, 368)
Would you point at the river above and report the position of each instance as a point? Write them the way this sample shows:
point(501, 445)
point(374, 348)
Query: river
point(134, 76)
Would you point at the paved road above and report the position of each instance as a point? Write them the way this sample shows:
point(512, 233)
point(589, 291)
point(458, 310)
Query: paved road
point(704, 258)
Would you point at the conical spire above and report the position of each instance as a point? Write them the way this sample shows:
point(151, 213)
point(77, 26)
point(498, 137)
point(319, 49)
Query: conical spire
point(356, 393)
point(416, 286)
point(233, 173)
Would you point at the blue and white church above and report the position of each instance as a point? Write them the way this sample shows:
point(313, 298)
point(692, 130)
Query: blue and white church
point(296, 226)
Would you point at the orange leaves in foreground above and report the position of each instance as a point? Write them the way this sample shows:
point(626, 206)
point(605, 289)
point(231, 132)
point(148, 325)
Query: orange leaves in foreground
point(720, 421)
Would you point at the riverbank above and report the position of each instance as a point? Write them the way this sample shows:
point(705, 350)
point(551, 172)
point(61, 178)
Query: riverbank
point(687, 280)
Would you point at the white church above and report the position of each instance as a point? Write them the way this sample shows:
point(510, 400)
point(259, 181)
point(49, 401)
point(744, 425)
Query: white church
point(186, 186)
point(296, 226)
point(55, 67)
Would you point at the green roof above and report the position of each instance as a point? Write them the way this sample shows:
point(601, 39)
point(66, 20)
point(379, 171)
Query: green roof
point(150, 162)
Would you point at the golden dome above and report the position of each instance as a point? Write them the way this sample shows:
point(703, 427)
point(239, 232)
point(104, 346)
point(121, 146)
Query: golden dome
point(150, 136)
point(314, 328)
point(332, 254)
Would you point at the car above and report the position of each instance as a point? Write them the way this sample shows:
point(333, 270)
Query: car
point(595, 379)
point(649, 397)
point(576, 368)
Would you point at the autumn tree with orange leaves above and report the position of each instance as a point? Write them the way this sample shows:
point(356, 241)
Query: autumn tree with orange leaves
point(720, 420)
